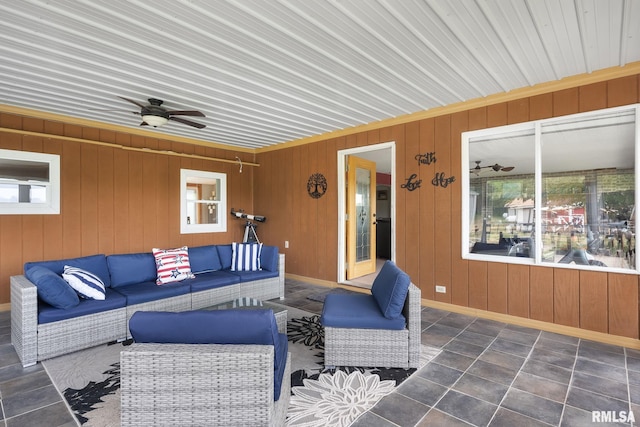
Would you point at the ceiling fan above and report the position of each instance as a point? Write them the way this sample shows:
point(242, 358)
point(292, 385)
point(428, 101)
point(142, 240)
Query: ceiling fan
point(156, 115)
point(496, 168)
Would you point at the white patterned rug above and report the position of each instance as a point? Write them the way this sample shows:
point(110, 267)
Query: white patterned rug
point(89, 381)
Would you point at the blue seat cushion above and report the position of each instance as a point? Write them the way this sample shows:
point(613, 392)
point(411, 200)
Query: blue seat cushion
point(150, 291)
point(211, 280)
point(214, 327)
point(52, 288)
point(129, 269)
point(247, 276)
point(390, 290)
point(96, 264)
point(113, 300)
point(204, 259)
point(358, 311)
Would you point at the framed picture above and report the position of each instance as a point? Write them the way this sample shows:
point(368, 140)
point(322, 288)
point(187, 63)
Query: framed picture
point(382, 195)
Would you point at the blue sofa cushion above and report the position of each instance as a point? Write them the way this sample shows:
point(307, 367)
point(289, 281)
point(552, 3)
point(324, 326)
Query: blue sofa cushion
point(225, 253)
point(112, 301)
point(390, 290)
point(52, 288)
point(204, 259)
point(211, 280)
point(269, 258)
point(96, 264)
point(358, 311)
point(149, 291)
point(213, 327)
point(129, 269)
point(247, 276)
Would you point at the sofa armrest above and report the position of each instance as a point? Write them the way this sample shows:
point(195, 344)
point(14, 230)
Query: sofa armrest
point(24, 319)
point(207, 384)
point(281, 275)
point(412, 312)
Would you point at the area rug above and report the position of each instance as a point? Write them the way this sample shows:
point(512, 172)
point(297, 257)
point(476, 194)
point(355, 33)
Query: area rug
point(89, 380)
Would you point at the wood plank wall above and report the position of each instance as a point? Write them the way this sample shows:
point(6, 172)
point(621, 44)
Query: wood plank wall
point(112, 200)
point(428, 223)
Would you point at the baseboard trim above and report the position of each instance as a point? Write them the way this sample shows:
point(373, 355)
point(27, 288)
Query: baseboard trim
point(536, 324)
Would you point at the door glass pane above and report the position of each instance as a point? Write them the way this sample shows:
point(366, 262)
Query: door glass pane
point(363, 209)
point(588, 191)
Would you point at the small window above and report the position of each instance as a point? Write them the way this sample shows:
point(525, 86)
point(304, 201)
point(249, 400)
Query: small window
point(29, 183)
point(203, 198)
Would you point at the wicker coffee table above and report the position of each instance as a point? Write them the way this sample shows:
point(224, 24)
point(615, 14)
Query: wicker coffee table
point(253, 304)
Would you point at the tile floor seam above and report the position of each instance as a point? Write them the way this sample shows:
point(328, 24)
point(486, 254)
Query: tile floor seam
point(626, 369)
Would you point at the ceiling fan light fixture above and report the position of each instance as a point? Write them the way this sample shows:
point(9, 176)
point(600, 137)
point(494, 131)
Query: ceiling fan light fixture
point(155, 121)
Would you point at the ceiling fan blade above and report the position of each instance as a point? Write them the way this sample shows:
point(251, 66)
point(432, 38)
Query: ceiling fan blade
point(132, 101)
point(186, 113)
point(187, 122)
point(507, 169)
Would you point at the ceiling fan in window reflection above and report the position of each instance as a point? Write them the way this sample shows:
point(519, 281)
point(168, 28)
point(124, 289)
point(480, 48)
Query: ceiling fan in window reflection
point(495, 167)
point(154, 114)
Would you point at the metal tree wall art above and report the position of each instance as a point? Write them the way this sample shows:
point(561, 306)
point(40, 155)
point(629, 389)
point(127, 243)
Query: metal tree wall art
point(317, 185)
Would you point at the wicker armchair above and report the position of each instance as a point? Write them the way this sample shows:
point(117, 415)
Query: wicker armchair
point(173, 375)
point(371, 346)
point(203, 385)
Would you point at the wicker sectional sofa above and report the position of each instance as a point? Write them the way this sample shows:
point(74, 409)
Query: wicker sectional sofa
point(40, 331)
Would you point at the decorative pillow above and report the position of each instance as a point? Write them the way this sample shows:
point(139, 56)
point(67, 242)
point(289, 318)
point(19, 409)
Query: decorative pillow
point(52, 288)
point(86, 284)
point(246, 256)
point(172, 265)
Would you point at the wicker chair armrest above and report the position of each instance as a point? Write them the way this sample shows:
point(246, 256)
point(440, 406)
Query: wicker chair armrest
point(204, 384)
point(412, 312)
point(24, 319)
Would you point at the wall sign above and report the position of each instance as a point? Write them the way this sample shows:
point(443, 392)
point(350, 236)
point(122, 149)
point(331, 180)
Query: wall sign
point(439, 180)
point(412, 183)
point(317, 185)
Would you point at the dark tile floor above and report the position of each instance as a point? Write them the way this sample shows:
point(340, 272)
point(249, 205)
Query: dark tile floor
point(487, 374)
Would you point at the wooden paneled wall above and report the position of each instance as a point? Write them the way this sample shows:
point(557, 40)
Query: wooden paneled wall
point(112, 200)
point(428, 222)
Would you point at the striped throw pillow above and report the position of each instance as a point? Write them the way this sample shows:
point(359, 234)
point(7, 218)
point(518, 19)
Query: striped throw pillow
point(172, 265)
point(246, 256)
point(85, 283)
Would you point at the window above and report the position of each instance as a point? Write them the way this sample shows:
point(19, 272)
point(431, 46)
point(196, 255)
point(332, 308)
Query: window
point(203, 198)
point(555, 192)
point(29, 183)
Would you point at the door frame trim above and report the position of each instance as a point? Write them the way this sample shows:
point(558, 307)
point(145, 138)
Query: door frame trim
point(342, 208)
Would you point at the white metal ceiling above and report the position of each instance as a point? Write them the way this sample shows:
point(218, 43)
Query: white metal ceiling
point(266, 72)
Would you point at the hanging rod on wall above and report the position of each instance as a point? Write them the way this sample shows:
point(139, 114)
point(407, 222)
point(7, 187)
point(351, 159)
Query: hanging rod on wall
point(123, 147)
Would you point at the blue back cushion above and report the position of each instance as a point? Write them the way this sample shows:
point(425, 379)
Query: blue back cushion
point(129, 269)
point(52, 288)
point(225, 252)
point(269, 258)
point(213, 327)
point(204, 259)
point(390, 290)
point(96, 264)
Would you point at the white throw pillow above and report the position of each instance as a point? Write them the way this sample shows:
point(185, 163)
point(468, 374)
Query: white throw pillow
point(85, 283)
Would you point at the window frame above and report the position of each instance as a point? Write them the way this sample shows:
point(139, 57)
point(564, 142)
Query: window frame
point(52, 206)
point(536, 127)
point(221, 226)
